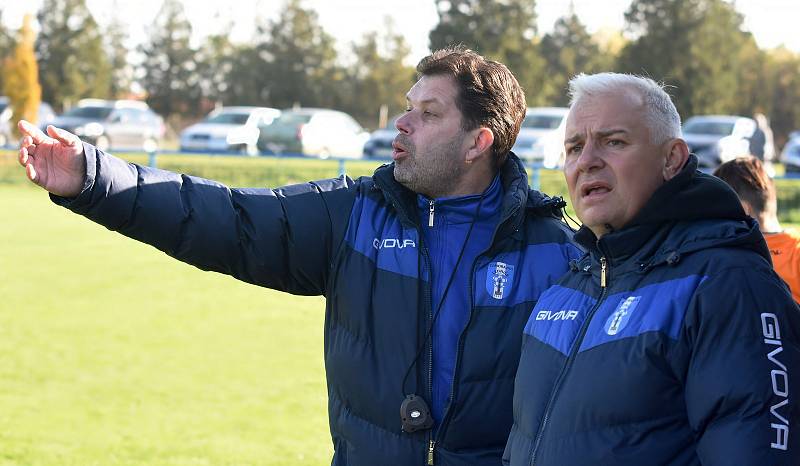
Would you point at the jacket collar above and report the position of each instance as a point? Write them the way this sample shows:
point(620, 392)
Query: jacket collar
point(517, 196)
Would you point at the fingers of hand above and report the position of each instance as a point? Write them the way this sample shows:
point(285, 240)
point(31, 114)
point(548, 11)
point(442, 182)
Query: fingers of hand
point(63, 136)
point(30, 172)
point(28, 129)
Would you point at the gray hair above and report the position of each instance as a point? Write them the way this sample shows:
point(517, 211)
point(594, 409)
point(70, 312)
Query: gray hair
point(661, 116)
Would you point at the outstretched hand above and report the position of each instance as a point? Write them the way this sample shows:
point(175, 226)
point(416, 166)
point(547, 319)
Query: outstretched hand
point(54, 160)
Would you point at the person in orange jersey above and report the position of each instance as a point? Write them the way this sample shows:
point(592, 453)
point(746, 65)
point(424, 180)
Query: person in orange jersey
point(748, 177)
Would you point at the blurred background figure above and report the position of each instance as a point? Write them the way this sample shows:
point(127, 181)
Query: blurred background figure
point(749, 178)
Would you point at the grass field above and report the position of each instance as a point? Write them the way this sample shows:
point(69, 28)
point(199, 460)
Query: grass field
point(111, 353)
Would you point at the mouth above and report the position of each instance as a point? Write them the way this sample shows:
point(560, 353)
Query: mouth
point(595, 189)
point(399, 150)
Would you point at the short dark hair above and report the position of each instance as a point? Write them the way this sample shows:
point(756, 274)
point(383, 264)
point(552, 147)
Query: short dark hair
point(746, 175)
point(488, 94)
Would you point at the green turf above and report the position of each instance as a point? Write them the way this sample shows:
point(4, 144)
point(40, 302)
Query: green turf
point(111, 353)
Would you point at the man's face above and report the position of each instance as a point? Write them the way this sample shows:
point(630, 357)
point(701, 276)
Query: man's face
point(612, 167)
point(429, 151)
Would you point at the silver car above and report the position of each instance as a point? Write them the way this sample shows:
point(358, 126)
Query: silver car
point(718, 138)
point(114, 124)
point(541, 137)
point(313, 132)
point(44, 117)
point(228, 129)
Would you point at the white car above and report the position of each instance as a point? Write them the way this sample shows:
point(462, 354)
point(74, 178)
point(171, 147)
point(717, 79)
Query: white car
point(313, 132)
point(715, 139)
point(228, 129)
point(541, 137)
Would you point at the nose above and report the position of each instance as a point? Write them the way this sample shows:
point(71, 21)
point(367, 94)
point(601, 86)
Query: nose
point(589, 159)
point(403, 124)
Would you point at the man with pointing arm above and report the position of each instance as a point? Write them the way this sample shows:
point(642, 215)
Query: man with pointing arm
point(430, 267)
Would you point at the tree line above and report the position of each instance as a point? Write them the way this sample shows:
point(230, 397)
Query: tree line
point(697, 47)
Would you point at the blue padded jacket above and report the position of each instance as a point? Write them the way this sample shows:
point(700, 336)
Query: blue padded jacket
point(359, 244)
point(672, 342)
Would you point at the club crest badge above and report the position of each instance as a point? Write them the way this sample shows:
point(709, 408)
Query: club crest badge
point(499, 279)
point(619, 319)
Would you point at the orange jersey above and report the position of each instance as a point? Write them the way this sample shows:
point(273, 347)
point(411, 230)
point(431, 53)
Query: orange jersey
point(784, 247)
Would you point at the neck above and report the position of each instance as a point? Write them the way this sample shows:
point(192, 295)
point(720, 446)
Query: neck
point(768, 223)
point(474, 181)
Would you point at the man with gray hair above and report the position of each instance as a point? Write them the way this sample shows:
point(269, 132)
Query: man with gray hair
point(672, 341)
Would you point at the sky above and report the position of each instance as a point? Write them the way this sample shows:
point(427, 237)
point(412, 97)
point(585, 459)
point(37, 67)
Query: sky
point(772, 22)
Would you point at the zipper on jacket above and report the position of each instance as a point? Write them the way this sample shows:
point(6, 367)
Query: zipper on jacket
point(430, 213)
point(571, 359)
point(429, 299)
point(448, 410)
point(603, 269)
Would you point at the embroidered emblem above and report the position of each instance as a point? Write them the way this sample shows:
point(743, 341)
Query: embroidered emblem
point(499, 278)
point(619, 319)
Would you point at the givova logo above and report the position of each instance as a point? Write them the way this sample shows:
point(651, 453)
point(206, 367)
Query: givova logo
point(499, 278)
point(619, 319)
point(393, 243)
point(780, 380)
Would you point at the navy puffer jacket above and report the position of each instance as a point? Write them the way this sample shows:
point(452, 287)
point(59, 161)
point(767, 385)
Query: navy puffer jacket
point(672, 342)
point(358, 244)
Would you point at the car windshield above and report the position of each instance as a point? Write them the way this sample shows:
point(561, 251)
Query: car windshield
point(228, 118)
point(541, 121)
point(716, 128)
point(96, 113)
point(291, 119)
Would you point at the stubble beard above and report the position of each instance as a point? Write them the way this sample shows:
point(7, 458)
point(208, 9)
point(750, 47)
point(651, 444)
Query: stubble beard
point(434, 174)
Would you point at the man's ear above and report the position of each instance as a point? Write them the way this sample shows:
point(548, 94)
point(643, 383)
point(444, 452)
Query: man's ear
point(675, 159)
point(480, 144)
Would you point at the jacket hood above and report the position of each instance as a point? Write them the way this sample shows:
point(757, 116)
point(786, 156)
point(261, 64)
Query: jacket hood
point(517, 194)
point(692, 211)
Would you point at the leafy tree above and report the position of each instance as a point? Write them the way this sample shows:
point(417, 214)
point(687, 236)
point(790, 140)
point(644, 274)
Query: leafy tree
point(694, 45)
point(500, 30)
point(171, 78)
point(379, 75)
point(216, 63)
point(783, 84)
point(568, 50)
point(298, 59)
point(116, 33)
point(6, 43)
point(715, 59)
point(21, 80)
point(72, 60)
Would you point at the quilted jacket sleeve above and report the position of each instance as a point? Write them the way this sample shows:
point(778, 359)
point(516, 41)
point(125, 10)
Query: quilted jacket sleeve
point(743, 379)
point(279, 238)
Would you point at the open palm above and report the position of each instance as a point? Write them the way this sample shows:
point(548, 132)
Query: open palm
point(54, 160)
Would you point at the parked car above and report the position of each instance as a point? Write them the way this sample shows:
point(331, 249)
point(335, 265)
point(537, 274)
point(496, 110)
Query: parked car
point(228, 129)
point(541, 137)
point(380, 141)
point(44, 117)
point(791, 153)
point(114, 124)
point(314, 132)
point(718, 138)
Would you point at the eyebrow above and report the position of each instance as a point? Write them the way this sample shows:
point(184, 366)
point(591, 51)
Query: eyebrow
point(431, 100)
point(601, 134)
